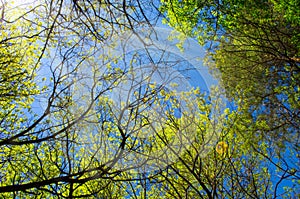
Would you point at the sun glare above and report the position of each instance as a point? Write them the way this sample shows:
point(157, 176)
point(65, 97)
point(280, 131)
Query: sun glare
point(22, 3)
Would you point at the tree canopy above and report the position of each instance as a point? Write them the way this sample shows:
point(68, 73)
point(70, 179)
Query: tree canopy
point(88, 112)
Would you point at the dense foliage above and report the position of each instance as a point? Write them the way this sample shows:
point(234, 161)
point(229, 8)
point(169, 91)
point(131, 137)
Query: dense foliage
point(82, 117)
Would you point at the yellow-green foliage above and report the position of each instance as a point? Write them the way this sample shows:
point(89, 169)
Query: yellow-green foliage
point(18, 63)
